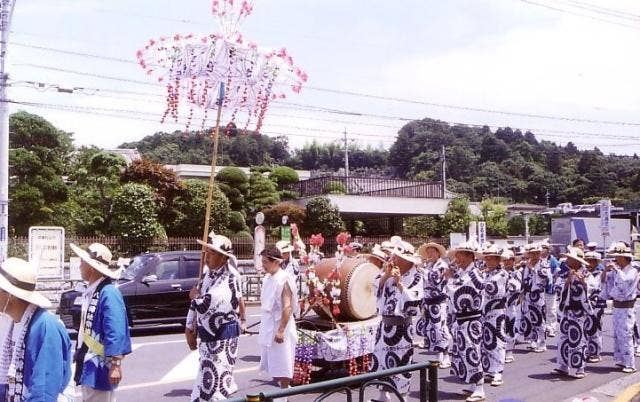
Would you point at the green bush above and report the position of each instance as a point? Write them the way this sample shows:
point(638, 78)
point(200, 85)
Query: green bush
point(283, 175)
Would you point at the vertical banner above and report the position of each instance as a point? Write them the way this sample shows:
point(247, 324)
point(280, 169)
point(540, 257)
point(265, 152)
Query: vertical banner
point(605, 217)
point(259, 240)
point(482, 233)
point(46, 250)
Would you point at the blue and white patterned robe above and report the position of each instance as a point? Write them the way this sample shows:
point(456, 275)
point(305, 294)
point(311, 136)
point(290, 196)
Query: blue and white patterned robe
point(514, 307)
point(622, 285)
point(574, 305)
point(593, 326)
point(466, 300)
point(217, 307)
point(394, 343)
point(532, 324)
point(433, 323)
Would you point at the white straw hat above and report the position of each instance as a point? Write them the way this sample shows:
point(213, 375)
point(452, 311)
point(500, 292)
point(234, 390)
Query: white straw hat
point(422, 250)
point(406, 251)
point(98, 256)
point(620, 249)
point(18, 277)
point(220, 244)
point(576, 254)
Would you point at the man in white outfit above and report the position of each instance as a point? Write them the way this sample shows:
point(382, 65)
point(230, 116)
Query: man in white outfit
point(278, 335)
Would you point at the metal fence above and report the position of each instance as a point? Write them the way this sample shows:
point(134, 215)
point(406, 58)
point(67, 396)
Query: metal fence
point(358, 385)
point(366, 186)
point(242, 246)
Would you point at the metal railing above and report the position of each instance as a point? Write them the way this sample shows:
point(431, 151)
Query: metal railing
point(366, 186)
point(428, 391)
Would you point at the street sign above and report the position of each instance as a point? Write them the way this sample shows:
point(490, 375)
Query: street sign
point(46, 250)
point(258, 246)
point(605, 217)
point(482, 233)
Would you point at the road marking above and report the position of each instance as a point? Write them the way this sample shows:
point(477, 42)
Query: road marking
point(136, 346)
point(185, 370)
point(628, 393)
point(177, 380)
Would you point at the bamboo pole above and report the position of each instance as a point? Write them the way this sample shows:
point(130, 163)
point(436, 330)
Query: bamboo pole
point(212, 177)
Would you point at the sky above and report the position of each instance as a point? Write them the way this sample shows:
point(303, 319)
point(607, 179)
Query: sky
point(568, 70)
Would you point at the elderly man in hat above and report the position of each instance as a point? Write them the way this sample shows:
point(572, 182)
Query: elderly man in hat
point(36, 358)
point(513, 310)
point(621, 284)
point(217, 315)
point(593, 327)
point(575, 309)
point(433, 323)
point(536, 276)
point(103, 337)
point(399, 291)
point(465, 287)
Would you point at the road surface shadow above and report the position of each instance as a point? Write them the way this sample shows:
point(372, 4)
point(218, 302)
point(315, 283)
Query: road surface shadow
point(602, 369)
point(551, 376)
point(156, 330)
point(250, 358)
point(178, 393)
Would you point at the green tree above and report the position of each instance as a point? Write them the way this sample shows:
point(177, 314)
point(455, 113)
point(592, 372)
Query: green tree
point(95, 179)
point(495, 215)
point(457, 217)
point(322, 217)
point(234, 183)
point(162, 180)
point(190, 209)
point(37, 156)
point(134, 214)
point(424, 226)
point(262, 193)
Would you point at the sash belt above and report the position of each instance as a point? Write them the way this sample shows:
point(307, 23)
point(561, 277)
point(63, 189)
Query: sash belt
point(624, 303)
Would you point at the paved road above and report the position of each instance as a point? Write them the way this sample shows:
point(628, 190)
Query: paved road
point(163, 369)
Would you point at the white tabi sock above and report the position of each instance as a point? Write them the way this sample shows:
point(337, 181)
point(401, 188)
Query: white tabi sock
point(479, 388)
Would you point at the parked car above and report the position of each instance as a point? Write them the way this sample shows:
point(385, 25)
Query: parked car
point(155, 288)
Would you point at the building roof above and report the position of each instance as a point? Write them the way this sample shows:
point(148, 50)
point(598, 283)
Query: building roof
point(186, 171)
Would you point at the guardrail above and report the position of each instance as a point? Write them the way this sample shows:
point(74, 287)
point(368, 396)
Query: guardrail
point(428, 391)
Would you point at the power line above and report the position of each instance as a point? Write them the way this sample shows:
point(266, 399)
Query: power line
point(604, 10)
point(562, 10)
point(365, 95)
point(539, 131)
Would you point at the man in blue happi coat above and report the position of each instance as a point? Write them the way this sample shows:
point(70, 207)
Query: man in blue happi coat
point(36, 356)
point(103, 337)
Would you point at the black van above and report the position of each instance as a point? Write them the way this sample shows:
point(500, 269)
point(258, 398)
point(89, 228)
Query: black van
point(155, 288)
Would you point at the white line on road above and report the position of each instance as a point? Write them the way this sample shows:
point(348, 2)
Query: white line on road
point(163, 382)
point(139, 345)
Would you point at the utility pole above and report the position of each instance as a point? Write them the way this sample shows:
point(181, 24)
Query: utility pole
point(546, 197)
point(444, 173)
point(6, 12)
point(346, 155)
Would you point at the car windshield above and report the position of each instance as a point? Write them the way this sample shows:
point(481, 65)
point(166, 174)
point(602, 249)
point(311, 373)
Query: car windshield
point(136, 265)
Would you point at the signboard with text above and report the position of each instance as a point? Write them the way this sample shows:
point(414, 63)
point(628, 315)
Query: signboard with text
point(605, 217)
point(482, 233)
point(46, 251)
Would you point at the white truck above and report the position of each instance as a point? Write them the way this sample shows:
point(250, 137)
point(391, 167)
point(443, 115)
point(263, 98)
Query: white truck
point(564, 230)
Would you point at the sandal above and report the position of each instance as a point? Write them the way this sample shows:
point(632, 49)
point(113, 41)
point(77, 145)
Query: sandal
point(467, 391)
point(560, 371)
point(629, 370)
point(540, 349)
point(476, 398)
point(444, 366)
point(509, 359)
point(594, 359)
point(578, 376)
point(497, 382)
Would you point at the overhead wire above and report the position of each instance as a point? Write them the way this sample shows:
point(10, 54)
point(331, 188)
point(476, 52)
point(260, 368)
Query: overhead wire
point(579, 14)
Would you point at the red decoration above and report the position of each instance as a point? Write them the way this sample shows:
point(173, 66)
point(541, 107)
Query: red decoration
point(317, 240)
point(342, 238)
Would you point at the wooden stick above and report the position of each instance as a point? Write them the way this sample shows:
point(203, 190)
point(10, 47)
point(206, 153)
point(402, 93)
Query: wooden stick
point(212, 178)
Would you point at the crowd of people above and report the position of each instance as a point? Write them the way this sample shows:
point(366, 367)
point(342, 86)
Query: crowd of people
point(471, 306)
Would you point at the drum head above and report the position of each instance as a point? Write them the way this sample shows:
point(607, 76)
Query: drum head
point(360, 293)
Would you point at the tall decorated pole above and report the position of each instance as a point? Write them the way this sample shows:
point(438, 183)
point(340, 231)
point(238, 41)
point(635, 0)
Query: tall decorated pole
point(5, 25)
point(212, 176)
point(220, 71)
